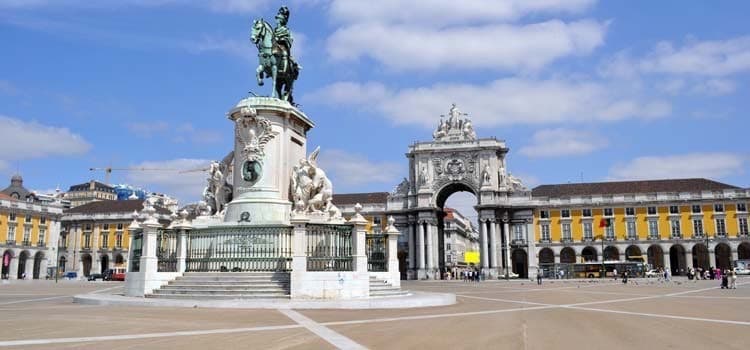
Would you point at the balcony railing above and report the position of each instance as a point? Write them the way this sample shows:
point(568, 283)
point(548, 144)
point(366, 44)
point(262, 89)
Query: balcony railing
point(41, 244)
point(631, 238)
point(10, 242)
point(545, 240)
point(26, 243)
point(566, 240)
point(518, 242)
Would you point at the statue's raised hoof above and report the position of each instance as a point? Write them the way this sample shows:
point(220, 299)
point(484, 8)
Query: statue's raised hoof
point(260, 82)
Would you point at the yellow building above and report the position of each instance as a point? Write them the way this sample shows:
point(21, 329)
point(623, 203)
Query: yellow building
point(95, 235)
point(29, 229)
point(675, 224)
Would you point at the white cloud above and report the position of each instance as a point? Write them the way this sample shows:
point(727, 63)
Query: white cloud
point(448, 12)
point(707, 165)
point(501, 102)
point(187, 186)
point(207, 43)
point(179, 133)
point(494, 46)
point(7, 88)
point(350, 170)
point(563, 142)
point(226, 6)
point(23, 140)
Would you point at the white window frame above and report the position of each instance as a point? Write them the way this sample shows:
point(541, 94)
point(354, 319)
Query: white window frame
point(675, 229)
point(611, 212)
point(674, 206)
point(544, 229)
point(631, 208)
point(11, 233)
point(656, 210)
point(590, 213)
point(721, 227)
point(718, 208)
point(631, 229)
point(118, 240)
point(742, 226)
point(692, 209)
point(562, 213)
point(742, 210)
point(588, 231)
point(653, 228)
point(609, 231)
point(569, 231)
point(698, 231)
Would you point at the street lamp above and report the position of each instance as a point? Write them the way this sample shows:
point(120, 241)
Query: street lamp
point(57, 262)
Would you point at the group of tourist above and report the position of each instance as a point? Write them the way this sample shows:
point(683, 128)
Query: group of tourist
point(470, 275)
point(728, 277)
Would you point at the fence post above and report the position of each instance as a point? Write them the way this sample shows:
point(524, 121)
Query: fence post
point(182, 228)
point(393, 270)
point(149, 260)
point(359, 256)
point(299, 255)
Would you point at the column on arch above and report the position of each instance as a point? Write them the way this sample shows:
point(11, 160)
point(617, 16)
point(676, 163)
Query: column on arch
point(412, 256)
point(506, 247)
point(493, 243)
point(483, 243)
point(430, 246)
point(420, 245)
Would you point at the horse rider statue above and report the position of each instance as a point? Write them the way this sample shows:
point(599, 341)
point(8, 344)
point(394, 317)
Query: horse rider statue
point(275, 55)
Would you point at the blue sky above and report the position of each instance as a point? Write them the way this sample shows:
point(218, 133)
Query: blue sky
point(580, 90)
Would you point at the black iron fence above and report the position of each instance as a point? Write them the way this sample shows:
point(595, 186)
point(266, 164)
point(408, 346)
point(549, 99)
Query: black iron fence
point(137, 251)
point(241, 248)
point(329, 247)
point(377, 252)
point(166, 250)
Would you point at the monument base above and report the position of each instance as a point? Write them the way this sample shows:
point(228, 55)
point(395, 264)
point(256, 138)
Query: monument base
point(258, 211)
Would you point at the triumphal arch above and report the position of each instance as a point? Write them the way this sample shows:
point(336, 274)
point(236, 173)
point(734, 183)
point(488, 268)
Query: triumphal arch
point(454, 161)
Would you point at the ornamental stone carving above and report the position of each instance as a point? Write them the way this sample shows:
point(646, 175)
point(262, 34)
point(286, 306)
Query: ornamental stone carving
point(252, 133)
point(311, 189)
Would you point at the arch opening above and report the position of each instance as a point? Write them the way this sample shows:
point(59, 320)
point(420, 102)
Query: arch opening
point(723, 256)
point(38, 257)
point(677, 260)
point(655, 256)
point(589, 254)
point(633, 253)
point(457, 230)
point(743, 251)
point(567, 256)
point(700, 256)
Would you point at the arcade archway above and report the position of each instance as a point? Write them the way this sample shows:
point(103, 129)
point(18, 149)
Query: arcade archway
point(38, 257)
point(655, 256)
point(723, 256)
point(7, 259)
point(633, 253)
point(22, 260)
point(589, 254)
point(86, 261)
point(104, 260)
point(677, 260)
point(547, 256)
point(700, 256)
point(457, 229)
point(567, 256)
point(611, 253)
point(520, 263)
point(743, 251)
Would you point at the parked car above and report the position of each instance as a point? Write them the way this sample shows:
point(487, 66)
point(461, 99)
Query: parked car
point(741, 271)
point(652, 273)
point(71, 275)
point(96, 276)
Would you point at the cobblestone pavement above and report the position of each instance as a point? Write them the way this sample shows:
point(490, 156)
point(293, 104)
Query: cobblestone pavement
point(571, 314)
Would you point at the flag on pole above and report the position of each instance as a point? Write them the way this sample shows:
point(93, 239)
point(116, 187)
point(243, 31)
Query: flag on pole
point(605, 222)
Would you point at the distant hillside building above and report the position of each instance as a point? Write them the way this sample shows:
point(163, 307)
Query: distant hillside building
point(90, 192)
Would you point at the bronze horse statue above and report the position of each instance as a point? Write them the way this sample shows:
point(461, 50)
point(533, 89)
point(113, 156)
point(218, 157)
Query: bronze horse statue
point(271, 64)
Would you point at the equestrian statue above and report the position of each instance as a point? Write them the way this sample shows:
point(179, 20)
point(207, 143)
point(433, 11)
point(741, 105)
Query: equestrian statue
point(275, 56)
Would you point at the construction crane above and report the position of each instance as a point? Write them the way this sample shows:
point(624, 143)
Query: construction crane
point(108, 171)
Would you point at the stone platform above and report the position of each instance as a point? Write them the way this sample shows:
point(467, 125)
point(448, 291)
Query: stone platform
point(411, 300)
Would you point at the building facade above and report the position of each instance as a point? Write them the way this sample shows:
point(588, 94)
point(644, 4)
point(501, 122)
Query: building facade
point(461, 240)
point(95, 235)
point(29, 231)
point(674, 224)
point(89, 192)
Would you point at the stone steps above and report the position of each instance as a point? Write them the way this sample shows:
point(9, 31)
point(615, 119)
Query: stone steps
point(226, 285)
point(380, 288)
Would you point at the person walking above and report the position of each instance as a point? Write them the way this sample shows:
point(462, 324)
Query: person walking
point(733, 278)
point(614, 273)
point(538, 277)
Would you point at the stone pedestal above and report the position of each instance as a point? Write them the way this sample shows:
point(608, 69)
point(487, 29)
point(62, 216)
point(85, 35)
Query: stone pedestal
point(270, 138)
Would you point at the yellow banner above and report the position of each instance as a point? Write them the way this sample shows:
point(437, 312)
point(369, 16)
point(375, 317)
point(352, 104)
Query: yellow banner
point(471, 257)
